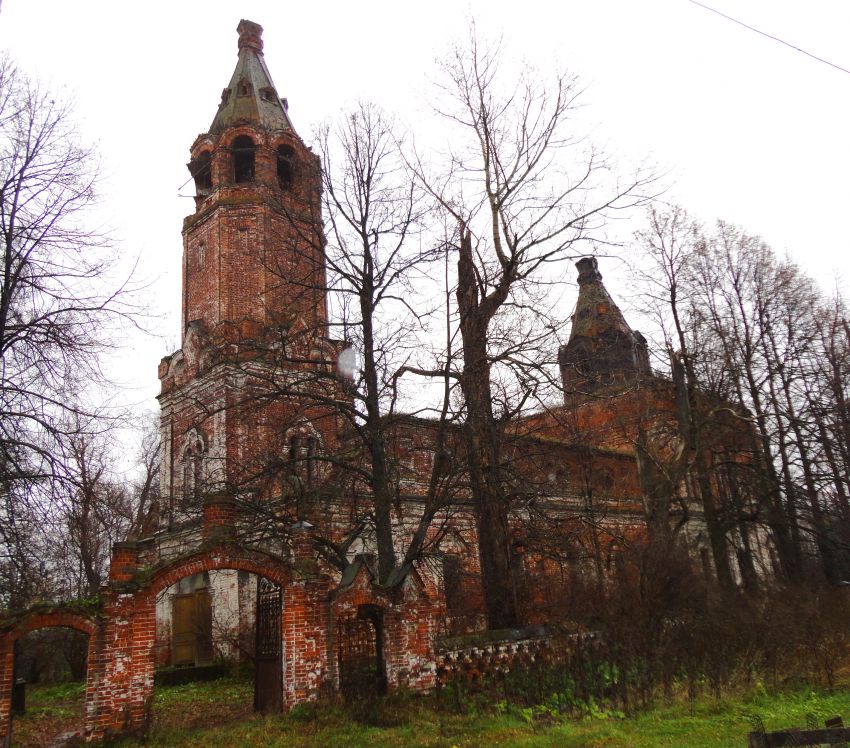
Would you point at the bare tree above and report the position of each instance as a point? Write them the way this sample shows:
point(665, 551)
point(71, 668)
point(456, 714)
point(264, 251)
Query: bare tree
point(55, 318)
point(54, 311)
point(525, 193)
point(145, 488)
point(669, 243)
point(376, 261)
point(95, 510)
point(731, 275)
point(752, 342)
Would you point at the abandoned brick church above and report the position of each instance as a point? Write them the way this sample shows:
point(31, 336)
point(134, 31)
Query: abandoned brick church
point(236, 563)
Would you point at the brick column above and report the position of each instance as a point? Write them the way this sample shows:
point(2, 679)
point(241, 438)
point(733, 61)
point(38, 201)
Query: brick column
point(305, 622)
point(410, 629)
point(7, 668)
point(219, 518)
point(125, 561)
point(120, 681)
point(303, 551)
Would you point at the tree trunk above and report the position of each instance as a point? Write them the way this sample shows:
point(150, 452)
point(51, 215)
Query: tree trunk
point(374, 432)
point(484, 452)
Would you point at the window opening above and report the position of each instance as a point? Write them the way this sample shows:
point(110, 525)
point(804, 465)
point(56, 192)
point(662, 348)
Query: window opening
point(304, 458)
point(294, 451)
point(244, 152)
point(453, 583)
point(201, 169)
point(193, 465)
point(192, 481)
point(312, 463)
point(285, 166)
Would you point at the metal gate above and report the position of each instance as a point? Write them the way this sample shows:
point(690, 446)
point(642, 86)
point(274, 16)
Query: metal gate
point(360, 653)
point(268, 676)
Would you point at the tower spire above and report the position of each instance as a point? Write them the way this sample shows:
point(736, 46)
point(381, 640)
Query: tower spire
point(251, 97)
point(253, 247)
point(602, 348)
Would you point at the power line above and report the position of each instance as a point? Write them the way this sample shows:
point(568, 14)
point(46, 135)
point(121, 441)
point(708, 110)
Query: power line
point(770, 36)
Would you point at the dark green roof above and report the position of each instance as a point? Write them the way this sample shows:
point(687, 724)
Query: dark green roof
point(251, 96)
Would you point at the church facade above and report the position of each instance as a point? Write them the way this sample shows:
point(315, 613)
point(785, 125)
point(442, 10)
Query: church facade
point(251, 436)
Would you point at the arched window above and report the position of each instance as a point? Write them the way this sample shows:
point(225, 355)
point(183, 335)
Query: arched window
point(201, 170)
point(304, 452)
point(244, 152)
point(285, 166)
point(294, 451)
point(192, 465)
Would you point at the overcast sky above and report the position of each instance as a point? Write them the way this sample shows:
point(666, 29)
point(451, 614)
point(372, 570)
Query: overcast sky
point(749, 130)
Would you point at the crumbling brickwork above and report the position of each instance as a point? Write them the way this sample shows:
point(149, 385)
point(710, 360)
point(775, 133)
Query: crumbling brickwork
point(249, 412)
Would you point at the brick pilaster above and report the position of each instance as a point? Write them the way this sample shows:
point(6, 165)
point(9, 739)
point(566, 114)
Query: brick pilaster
point(125, 561)
point(219, 518)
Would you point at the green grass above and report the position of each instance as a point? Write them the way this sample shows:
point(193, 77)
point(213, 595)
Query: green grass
point(51, 709)
point(218, 715)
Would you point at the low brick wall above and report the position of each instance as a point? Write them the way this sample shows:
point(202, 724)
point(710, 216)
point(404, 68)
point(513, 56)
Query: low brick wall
point(474, 662)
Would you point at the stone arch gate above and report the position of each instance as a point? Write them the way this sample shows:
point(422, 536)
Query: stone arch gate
point(122, 632)
point(75, 616)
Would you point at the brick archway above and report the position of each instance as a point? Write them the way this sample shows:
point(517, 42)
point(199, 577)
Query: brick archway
point(119, 700)
point(33, 620)
point(229, 556)
point(40, 619)
point(408, 620)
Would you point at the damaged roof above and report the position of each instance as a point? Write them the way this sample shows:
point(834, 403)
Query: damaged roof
point(596, 313)
point(251, 97)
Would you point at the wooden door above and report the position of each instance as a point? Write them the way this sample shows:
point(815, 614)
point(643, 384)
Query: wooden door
point(191, 628)
point(183, 629)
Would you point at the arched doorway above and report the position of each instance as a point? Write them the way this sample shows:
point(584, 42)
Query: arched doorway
point(127, 663)
point(223, 619)
point(44, 673)
point(224, 608)
point(360, 652)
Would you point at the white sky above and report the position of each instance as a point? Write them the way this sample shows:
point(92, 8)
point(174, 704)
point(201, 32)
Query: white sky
point(750, 131)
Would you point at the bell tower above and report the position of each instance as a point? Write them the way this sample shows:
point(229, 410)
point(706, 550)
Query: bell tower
point(254, 332)
point(253, 248)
